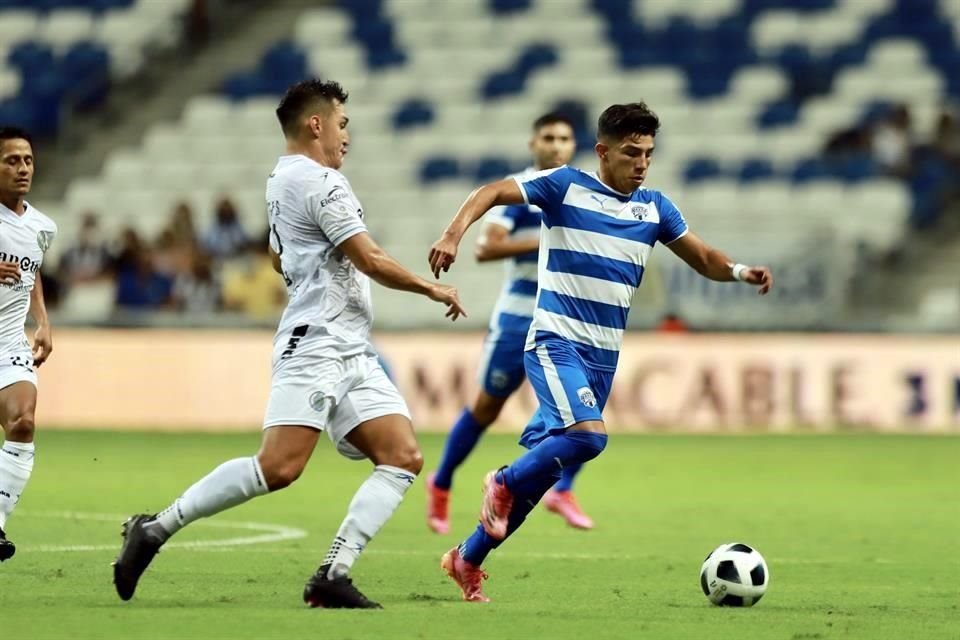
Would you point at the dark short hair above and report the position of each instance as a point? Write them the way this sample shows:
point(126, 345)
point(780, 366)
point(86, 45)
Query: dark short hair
point(14, 133)
point(621, 121)
point(553, 117)
point(304, 94)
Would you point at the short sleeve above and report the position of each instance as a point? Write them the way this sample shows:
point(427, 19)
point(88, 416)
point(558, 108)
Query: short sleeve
point(672, 225)
point(335, 209)
point(543, 188)
point(505, 217)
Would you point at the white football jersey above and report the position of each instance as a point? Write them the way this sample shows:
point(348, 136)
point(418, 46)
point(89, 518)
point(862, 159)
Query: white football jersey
point(311, 209)
point(24, 240)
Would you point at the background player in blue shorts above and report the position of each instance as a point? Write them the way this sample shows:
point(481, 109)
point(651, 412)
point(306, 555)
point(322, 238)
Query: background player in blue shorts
point(511, 234)
point(598, 233)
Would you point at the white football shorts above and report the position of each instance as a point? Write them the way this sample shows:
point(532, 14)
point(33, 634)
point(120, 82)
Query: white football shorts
point(331, 394)
point(17, 367)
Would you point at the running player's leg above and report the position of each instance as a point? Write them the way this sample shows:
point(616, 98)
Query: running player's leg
point(566, 430)
point(292, 427)
point(373, 422)
point(18, 401)
point(501, 374)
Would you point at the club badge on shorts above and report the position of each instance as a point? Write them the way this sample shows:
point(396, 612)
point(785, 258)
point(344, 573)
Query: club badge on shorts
point(586, 397)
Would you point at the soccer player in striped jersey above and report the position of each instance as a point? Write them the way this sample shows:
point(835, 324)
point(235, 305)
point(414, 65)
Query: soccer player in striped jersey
point(511, 234)
point(598, 232)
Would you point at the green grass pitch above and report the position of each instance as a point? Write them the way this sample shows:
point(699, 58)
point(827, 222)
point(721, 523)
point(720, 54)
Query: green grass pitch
point(861, 533)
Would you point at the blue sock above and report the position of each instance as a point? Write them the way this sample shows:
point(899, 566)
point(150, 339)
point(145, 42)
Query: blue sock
point(476, 548)
point(565, 483)
point(550, 457)
point(460, 442)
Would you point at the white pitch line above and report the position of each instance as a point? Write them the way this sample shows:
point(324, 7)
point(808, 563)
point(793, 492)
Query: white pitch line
point(272, 533)
point(280, 533)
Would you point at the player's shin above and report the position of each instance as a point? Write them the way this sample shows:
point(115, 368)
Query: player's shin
point(552, 456)
point(372, 505)
point(228, 485)
point(16, 465)
point(475, 548)
point(463, 438)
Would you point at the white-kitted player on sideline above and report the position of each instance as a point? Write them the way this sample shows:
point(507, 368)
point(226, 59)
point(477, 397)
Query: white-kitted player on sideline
point(326, 376)
point(25, 236)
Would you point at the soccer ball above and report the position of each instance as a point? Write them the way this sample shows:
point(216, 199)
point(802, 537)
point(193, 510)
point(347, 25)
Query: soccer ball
point(734, 575)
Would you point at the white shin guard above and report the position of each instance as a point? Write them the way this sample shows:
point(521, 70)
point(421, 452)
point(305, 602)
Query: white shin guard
point(372, 505)
point(16, 465)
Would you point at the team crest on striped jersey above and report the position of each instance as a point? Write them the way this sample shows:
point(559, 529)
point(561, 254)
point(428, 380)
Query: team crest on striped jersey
point(587, 398)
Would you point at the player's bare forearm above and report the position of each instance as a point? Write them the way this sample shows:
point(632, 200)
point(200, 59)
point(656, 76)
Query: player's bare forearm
point(443, 253)
point(498, 246)
point(709, 262)
point(38, 305)
point(386, 271)
point(501, 193)
point(716, 265)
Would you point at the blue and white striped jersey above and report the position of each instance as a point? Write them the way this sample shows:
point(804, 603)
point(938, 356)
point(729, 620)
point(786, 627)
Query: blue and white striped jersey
point(514, 308)
point(594, 246)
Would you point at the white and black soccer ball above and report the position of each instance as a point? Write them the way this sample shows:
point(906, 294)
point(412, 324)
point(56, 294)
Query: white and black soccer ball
point(734, 575)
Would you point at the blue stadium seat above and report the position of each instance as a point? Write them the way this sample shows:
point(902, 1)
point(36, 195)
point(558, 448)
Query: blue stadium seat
point(489, 169)
point(509, 6)
point(756, 169)
point(88, 67)
point(810, 170)
point(782, 112)
point(439, 168)
point(413, 113)
point(701, 169)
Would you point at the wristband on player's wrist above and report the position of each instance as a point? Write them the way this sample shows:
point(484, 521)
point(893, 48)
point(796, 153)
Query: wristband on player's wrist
point(739, 271)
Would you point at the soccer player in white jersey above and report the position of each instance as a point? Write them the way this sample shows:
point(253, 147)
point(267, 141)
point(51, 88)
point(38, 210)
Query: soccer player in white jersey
point(598, 232)
point(326, 376)
point(25, 235)
point(511, 234)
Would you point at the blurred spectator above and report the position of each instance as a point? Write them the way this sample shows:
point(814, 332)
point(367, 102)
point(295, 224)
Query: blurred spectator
point(170, 257)
point(672, 323)
point(892, 141)
point(252, 287)
point(197, 23)
point(89, 259)
point(182, 230)
point(197, 291)
point(847, 142)
point(226, 237)
point(947, 136)
point(139, 284)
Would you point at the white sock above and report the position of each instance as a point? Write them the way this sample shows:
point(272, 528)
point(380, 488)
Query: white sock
point(228, 485)
point(16, 465)
point(373, 504)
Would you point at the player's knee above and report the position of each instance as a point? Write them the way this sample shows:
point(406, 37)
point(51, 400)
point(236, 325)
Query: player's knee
point(21, 427)
point(407, 457)
point(487, 409)
point(281, 473)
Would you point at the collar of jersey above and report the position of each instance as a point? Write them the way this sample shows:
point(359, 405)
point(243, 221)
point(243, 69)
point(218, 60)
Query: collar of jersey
point(13, 216)
point(596, 176)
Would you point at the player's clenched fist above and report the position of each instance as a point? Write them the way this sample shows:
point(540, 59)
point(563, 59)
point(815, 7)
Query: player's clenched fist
point(9, 272)
point(448, 296)
point(443, 254)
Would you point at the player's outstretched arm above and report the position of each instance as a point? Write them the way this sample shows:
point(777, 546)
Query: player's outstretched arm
point(369, 258)
point(43, 338)
point(495, 243)
point(715, 265)
point(443, 253)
